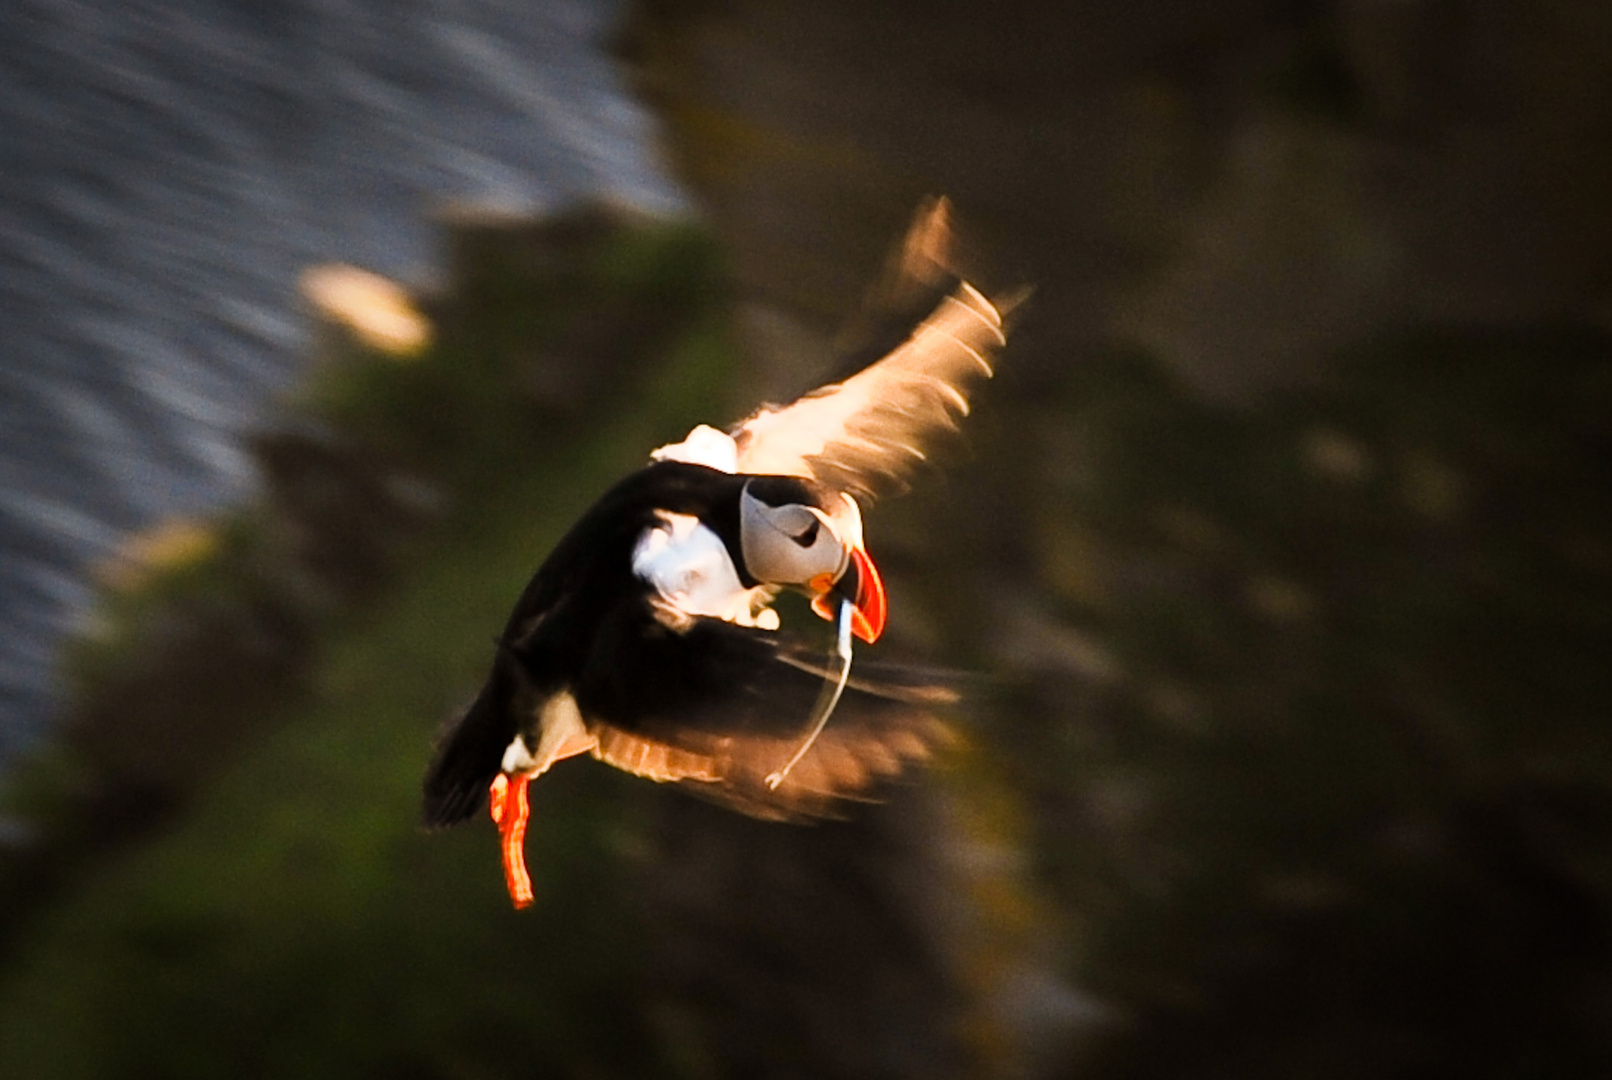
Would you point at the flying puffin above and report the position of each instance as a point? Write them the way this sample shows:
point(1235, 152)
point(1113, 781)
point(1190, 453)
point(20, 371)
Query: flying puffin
point(647, 637)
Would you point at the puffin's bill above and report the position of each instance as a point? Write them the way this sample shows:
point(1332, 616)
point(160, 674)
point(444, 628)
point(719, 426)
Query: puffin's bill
point(862, 588)
point(869, 612)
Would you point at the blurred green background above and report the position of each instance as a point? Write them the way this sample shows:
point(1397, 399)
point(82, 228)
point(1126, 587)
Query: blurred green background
point(1281, 548)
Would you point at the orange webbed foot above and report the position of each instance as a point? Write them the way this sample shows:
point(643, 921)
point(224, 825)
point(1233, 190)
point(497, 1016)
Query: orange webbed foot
point(506, 801)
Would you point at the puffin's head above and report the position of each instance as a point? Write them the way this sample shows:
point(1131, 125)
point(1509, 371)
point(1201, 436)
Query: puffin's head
point(795, 532)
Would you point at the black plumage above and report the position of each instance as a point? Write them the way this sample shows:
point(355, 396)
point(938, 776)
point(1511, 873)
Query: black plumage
point(647, 639)
point(731, 701)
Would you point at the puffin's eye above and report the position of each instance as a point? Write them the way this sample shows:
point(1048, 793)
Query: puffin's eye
point(809, 537)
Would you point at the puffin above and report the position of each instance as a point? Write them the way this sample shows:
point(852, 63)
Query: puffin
point(648, 638)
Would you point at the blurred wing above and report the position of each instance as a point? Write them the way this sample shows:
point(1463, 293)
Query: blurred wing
point(869, 740)
point(730, 705)
point(653, 760)
point(866, 435)
point(847, 762)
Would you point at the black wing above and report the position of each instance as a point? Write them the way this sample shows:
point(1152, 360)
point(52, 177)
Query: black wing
point(720, 707)
point(550, 632)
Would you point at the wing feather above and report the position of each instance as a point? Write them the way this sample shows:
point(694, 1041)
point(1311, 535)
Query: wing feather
point(718, 707)
point(650, 759)
point(866, 434)
point(853, 755)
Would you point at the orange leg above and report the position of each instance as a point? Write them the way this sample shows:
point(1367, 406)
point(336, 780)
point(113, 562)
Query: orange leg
point(506, 800)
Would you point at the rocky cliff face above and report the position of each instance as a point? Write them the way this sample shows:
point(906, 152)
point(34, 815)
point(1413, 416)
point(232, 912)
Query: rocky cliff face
point(1242, 188)
point(1281, 540)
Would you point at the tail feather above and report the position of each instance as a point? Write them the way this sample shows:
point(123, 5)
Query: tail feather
point(469, 754)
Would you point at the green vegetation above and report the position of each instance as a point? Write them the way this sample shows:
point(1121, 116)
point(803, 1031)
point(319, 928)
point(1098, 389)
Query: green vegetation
point(295, 922)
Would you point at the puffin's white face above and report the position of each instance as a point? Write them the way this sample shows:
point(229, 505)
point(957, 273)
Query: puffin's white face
point(787, 540)
point(792, 544)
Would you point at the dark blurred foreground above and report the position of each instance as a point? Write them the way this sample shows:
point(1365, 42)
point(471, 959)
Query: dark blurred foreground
point(1286, 537)
point(1283, 548)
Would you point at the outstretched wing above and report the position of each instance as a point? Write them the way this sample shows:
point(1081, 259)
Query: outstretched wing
point(719, 707)
point(866, 434)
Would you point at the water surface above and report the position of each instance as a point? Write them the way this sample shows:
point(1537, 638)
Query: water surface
point(169, 167)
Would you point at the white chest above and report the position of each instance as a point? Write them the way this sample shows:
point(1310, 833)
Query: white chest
point(690, 569)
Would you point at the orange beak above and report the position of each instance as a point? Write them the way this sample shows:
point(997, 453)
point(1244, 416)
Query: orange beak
point(861, 585)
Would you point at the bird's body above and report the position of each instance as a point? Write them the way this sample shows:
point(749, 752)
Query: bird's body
point(647, 639)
